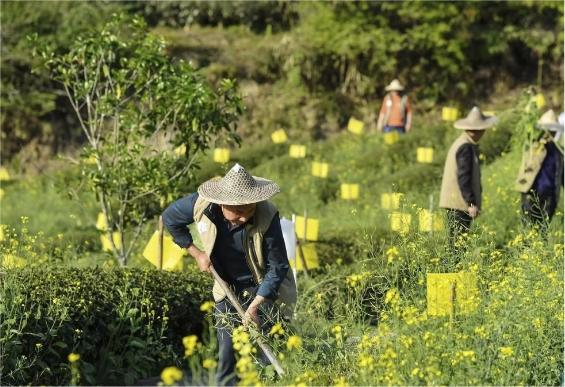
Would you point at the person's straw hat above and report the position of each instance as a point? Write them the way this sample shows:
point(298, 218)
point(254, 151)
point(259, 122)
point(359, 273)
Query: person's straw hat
point(237, 187)
point(548, 121)
point(475, 120)
point(395, 85)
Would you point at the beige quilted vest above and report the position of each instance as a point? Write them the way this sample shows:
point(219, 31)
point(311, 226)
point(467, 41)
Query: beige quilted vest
point(253, 243)
point(450, 196)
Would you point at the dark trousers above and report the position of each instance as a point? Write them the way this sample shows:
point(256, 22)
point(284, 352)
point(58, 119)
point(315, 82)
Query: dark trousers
point(538, 209)
point(458, 224)
point(226, 320)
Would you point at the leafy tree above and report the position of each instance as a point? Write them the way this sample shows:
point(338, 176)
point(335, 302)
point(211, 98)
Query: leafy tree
point(134, 105)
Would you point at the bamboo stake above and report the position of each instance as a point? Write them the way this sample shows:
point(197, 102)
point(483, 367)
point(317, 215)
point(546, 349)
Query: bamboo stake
point(160, 248)
point(235, 302)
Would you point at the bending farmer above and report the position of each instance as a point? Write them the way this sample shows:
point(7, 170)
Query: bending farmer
point(242, 238)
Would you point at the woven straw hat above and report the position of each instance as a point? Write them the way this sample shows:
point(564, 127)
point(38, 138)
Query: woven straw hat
point(475, 120)
point(238, 187)
point(549, 121)
point(395, 85)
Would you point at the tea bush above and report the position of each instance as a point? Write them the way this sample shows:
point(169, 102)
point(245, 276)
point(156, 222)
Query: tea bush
point(125, 324)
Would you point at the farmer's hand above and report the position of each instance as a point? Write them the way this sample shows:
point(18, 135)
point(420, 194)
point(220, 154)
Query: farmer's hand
point(252, 312)
point(473, 211)
point(201, 258)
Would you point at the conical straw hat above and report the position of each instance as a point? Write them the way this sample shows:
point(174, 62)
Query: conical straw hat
point(395, 85)
point(475, 120)
point(549, 121)
point(238, 187)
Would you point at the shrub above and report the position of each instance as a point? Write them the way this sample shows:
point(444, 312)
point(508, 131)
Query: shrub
point(125, 324)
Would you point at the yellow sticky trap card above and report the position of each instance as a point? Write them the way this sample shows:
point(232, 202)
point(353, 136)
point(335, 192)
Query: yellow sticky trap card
point(425, 155)
point(13, 261)
point(320, 169)
point(297, 151)
point(429, 221)
point(391, 137)
point(221, 155)
point(355, 126)
point(400, 222)
point(172, 253)
point(107, 244)
point(307, 230)
point(279, 136)
point(391, 201)
point(4, 174)
point(101, 223)
point(540, 100)
point(449, 113)
point(349, 191)
point(449, 293)
point(180, 150)
point(311, 256)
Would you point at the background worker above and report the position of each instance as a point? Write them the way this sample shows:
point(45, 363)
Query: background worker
point(242, 238)
point(395, 113)
point(541, 173)
point(461, 181)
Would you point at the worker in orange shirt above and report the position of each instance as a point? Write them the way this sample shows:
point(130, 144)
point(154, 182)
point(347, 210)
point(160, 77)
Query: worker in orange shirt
point(396, 113)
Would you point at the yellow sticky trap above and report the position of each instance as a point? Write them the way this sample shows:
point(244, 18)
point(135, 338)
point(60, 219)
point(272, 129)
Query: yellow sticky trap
point(425, 155)
point(221, 155)
point(13, 261)
point(107, 245)
point(400, 222)
point(311, 255)
point(391, 137)
point(349, 191)
point(101, 223)
point(451, 293)
point(172, 253)
point(429, 221)
point(320, 169)
point(4, 174)
point(2, 193)
point(540, 100)
point(279, 136)
point(355, 126)
point(312, 228)
point(391, 201)
point(297, 151)
point(180, 150)
point(449, 113)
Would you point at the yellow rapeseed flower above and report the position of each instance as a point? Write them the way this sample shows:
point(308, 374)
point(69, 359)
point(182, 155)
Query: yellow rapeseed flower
point(190, 344)
point(207, 306)
point(366, 362)
point(392, 296)
point(209, 363)
point(341, 382)
point(294, 342)
point(506, 352)
point(73, 357)
point(276, 330)
point(171, 375)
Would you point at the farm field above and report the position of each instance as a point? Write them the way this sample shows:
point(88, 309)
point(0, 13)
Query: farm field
point(386, 299)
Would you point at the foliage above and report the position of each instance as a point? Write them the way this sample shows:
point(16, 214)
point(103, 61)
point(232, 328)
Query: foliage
point(257, 16)
point(126, 324)
point(133, 104)
point(32, 111)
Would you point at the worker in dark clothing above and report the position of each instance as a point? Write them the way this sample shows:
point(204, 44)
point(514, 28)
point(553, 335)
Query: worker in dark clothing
point(461, 182)
point(541, 173)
